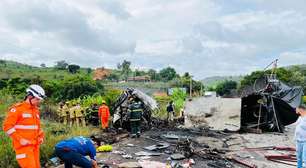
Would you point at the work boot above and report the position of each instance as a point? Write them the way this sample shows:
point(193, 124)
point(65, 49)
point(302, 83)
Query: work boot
point(133, 135)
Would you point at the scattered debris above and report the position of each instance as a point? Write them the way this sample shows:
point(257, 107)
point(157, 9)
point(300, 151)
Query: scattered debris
point(143, 153)
point(55, 161)
point(233, 116)
point(177, 156)
point(130, 145)
point(129, 165)
point(127, 156)
point(105, 148)
point(185, 146)
point(119, 152)
point(151, 164)
point(243, 162)
point(157, 147)
point(170, 136)
point(143, 157)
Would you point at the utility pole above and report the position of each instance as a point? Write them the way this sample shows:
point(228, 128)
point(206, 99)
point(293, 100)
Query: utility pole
point(190, 89)
point(201, 94)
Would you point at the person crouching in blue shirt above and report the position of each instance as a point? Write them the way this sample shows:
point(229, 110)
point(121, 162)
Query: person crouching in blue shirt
point(73, 151)
point(300, 136)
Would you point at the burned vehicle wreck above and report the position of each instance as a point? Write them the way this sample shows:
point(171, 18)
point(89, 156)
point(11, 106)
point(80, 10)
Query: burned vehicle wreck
point(271, 106)
point(120, 108)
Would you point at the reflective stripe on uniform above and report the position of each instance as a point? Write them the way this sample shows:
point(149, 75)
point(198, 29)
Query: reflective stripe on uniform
point(134, 119)
point(26, 115)
point(137, 110)
point(10, 131)
point(28, 127)
point(21, 156)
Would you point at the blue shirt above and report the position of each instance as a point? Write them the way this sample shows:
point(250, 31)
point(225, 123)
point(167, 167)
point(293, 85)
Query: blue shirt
point(300, 130)
point(80, 144)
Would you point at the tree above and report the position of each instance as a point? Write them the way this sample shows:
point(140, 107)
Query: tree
point(186, 75)
point(89, 70)
point(75, 87)
point(2, 62)
point(225, 88)
point(153, 74)
point(43, 65)
point(61, 64)
point(73, 68)
point(249, 80)
point(125, 68)
point(3, 83)
point(139, 72)
point(113, 77)
point(167, 74)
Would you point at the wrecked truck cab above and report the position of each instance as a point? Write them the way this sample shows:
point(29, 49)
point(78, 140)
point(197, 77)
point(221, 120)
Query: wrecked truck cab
point(271, 108)
point(120, 108)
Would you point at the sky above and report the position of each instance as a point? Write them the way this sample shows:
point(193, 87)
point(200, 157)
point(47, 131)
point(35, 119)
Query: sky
point(202, 37)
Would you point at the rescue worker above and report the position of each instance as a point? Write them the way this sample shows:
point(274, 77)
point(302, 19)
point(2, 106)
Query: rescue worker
point(62, 111)
point(79, 115)
point(65, 113)
point(83, 118)
point(170, 111)
point(22, 124)
point(73, 151)
point(135, 110)
point(72, 116)
point(104, 115)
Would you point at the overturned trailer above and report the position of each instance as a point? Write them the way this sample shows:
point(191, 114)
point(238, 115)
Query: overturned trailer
point(120, 108)
point(271, 106)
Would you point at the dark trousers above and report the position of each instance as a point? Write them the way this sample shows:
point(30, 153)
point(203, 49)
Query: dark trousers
point(72, 158)
point(135, 127)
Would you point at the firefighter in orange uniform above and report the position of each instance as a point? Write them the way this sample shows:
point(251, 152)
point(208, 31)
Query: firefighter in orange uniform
point(22, 124)
point(104, 115)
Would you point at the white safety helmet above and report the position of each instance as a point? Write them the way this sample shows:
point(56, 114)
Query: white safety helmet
point(37, 91)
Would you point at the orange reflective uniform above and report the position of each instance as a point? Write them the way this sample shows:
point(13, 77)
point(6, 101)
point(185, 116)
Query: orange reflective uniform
point(104, 115)
point(22, 124)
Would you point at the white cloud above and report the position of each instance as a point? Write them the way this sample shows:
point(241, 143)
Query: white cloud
point(204, 37)
point(289, 58)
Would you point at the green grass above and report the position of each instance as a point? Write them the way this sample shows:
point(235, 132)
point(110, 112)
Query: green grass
point(13, 69)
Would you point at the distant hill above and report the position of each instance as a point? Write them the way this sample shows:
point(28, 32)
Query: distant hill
point(12, 69)
point(13, 64)
point(302, 66)
point(214, 80)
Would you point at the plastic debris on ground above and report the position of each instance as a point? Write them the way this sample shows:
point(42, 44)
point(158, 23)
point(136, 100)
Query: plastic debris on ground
point(129, 165)
point(130, 145)
point(170, 136)
point(151, 164)
point(105, 148)
point(55, 161)
point(119, 152)
point(143, 153)
point(157, 147)
point(143, 157)
point(177, 156)
point(127, 156)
